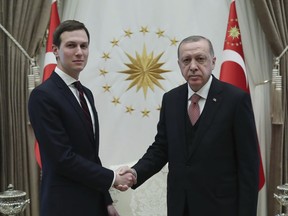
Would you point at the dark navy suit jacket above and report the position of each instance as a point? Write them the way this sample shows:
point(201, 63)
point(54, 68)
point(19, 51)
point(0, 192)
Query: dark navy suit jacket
point(219, 175)
point(73, 179)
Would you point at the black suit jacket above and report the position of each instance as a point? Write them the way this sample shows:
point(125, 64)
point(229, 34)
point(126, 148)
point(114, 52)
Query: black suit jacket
point(219, 176)
point(73, 179)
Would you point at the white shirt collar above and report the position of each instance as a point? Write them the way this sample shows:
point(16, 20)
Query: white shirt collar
point(203, 92)
point(65, 77)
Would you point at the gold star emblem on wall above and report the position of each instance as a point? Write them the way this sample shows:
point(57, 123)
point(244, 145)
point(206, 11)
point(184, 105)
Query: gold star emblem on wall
point(129, 109)
point(144, 71)
point(106, 88)
point(103, 72)
point(144, 29)
point(174, 41)
point(116, 100)
point(160, 33)
point(114, 42)
point(106, 56)
point(145, 113)
point(128, 33)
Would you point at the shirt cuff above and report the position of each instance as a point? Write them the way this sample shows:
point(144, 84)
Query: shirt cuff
point(134, 172)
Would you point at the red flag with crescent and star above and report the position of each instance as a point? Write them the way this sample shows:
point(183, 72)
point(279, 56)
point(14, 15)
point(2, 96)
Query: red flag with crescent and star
point(233, 68)
point(50, 60)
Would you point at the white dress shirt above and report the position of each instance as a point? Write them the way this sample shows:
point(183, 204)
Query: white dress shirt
point(203, 92)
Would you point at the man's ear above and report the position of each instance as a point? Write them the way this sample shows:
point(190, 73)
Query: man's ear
point(55, 50)
point(213, 61)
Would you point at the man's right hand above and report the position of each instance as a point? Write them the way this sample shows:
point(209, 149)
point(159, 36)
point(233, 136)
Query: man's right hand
point(125, 178)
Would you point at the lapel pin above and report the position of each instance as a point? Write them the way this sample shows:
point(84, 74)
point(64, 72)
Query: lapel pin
point(214, 99)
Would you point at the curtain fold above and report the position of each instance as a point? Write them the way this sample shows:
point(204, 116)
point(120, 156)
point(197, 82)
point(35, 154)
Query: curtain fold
point(257, 52)
point(273, 16)
point(26, 21)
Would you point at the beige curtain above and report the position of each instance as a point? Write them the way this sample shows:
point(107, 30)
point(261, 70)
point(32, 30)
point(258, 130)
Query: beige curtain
point(273, 16)
point(26, 21)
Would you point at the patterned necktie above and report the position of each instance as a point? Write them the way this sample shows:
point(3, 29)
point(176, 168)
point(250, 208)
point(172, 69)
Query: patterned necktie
point(194, 109)
point(83, 102)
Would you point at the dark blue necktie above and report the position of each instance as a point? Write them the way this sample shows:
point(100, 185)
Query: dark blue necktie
point(83, 102)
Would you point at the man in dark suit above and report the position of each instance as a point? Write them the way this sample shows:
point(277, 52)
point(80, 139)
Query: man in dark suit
point(73, 180)
point(213, 163)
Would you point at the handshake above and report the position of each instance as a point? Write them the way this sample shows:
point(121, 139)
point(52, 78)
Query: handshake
point(125, 178)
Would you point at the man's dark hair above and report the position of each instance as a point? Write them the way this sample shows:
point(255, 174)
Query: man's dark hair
point(196, 38)
point(68, 25)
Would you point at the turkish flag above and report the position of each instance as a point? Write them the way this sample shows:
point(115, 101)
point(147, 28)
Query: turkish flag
point(50, 60)
point(233, 68)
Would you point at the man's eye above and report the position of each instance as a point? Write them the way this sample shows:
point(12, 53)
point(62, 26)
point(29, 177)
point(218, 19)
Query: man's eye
point(201, 59)
point(186, 61)
point(71, 45)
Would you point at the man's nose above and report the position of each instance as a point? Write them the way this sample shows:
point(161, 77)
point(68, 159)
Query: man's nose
point(79, 51)
point(193, 65)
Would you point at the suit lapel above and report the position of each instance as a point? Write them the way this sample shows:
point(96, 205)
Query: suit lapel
point(208, 114)
point(95, 115)
point(66, 92)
